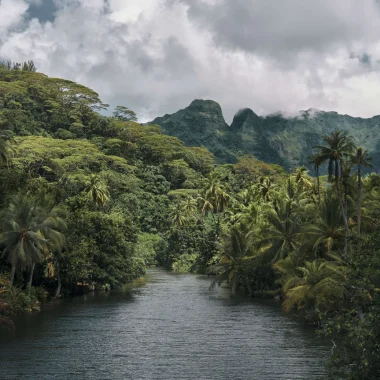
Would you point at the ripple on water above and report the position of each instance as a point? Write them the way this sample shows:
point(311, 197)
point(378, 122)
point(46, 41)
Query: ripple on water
point(172, 327)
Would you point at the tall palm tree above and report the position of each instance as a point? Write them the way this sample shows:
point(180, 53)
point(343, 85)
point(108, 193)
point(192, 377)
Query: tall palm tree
point(31, 229)
point(362, 159)
point(317, 161)
point(338, 146)
point(97, 191)
point(214, 200)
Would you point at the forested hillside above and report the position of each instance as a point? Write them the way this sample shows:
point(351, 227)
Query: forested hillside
point(86, 199)
point(89, 202)
point(286, 141)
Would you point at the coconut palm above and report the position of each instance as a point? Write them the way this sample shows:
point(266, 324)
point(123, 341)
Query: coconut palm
point(189, 205)
point(97, 191)
point(361, 158)
point(265, 188)
point(280, 236)
point(214, 200)
point(250, 215)
point(338, 146)
point(301, 178)
point(317, 285)
point(237, 246)
point(31, 229)
point(326, 231)
point(184, 212)
point(248, 195)
point(317, 161)
point(179, 216)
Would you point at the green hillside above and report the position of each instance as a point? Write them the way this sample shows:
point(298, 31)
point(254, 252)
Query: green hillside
point(274, 138)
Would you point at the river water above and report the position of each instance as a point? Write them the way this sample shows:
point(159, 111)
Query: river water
point(170, 327)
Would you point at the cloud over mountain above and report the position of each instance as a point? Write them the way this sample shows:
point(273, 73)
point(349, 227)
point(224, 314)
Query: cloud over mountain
point(155, 56)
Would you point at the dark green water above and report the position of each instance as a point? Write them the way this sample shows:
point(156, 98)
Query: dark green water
point(172, 327)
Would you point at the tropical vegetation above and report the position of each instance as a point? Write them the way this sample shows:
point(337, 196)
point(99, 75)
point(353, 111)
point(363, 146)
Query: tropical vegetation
point(89, 201)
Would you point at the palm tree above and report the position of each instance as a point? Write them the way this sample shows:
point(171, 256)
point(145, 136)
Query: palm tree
point(318, 284)
point(184, 212)
point(326, 230)
point(179, 216)
point(248, 195)
point(265, 188)
point(317, 161)
point(362, 159)
point(237, 246)
point(250, 215)
point(214, 200)
point(97, 191)
point(346, 177)
point(281, 234)
point(189, 205)
point(30, 226)
point(301, 177)
point(338, 146)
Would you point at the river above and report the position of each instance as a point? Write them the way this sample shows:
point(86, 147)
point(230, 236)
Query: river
point(169, 327)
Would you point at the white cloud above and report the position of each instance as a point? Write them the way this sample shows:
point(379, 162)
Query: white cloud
point(11, 14)
point(156, 56)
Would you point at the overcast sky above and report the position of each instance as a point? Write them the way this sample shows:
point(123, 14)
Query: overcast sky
point(156, 56)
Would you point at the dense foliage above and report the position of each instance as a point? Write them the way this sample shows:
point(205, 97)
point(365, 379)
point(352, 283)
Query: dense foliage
point(86, 200)
point(310, 241)
point(90, 201)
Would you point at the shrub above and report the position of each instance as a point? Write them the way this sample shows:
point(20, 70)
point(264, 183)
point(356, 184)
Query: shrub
point(185, 263)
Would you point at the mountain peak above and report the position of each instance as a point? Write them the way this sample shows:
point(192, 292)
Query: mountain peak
point(277, 138)
point(201, 105)
point(243, 118)
point(199, 124)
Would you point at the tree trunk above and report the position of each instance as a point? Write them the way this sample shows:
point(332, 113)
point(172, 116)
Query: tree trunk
point(319, 186)
point(346, 222)
point(342, 207)
point(59, 285)
point(345, 202)
point(29, 285)
point(13, 271)
point(217, 225)
point(359, 197)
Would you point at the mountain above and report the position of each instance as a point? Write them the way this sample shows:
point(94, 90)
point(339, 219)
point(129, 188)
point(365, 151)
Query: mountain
point(200, 124)
point(287, 141)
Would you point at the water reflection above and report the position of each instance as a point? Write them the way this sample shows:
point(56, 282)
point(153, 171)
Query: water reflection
point(170, 327)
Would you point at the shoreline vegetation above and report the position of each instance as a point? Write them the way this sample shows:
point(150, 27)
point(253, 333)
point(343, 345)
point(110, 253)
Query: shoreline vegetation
point(90, 200)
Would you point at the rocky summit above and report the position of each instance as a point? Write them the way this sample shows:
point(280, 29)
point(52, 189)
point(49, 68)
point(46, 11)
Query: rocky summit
point(287, 141)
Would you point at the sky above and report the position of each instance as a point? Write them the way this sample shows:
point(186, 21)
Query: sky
point(156, 56)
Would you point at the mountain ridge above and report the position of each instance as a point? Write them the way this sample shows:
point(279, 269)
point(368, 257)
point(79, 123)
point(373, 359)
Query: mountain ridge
point(275, 138)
